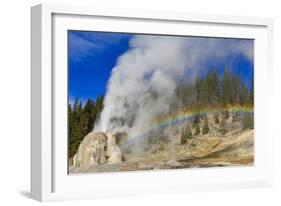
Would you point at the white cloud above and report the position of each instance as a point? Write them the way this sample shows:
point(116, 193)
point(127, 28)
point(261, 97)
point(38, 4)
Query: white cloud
point(84, 44)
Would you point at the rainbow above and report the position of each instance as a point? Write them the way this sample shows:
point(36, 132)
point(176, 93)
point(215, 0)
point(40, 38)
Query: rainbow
point(182, 116)
point(187, 115)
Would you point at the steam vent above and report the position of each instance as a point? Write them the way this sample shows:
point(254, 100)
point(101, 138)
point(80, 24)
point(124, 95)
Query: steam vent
point(97, 148)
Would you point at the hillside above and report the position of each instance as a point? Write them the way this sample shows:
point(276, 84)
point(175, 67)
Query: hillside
point(227, 144)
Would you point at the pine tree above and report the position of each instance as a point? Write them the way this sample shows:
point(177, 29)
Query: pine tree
point(196, 120)
point(251, 95)
point(198, 87)
point(76, 127)
point(215, 87)
point(88, 115)
point(98, 106)
point(228, 90)
point(81, 120)
point(243, 94)
point(211, 86)
point(235, 89)
point(197, 129)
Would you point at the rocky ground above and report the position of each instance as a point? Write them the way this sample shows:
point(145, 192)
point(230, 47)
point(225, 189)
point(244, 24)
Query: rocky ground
point(232, 149)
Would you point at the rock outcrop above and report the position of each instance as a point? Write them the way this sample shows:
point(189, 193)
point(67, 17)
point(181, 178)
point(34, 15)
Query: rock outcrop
point(113, 152)
point(95, 149)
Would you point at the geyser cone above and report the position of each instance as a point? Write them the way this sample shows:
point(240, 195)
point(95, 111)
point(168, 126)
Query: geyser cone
point(97, 148)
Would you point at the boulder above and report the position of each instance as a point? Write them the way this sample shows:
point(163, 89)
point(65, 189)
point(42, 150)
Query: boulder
point(95, 149)
point(174, 163)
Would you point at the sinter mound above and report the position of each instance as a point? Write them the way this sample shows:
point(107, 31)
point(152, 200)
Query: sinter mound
point(95, 149)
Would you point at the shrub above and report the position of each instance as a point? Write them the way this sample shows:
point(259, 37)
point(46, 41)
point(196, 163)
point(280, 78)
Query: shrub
point(226, 114)
point(205, 129)
point(235, 116)
point(196, 119)
point(223, 130)
point(216, 116)
point(197, 129)
point(185, 135)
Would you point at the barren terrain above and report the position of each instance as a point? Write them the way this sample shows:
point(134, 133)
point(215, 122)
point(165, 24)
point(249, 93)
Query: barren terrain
point(234, 148)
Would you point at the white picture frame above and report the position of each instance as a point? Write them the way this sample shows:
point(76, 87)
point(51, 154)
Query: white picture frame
point(49, 178)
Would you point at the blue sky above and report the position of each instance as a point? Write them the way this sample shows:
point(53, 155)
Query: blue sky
point(92, 56)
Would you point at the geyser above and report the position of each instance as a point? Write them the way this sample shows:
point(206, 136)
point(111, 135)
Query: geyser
point(142, 85)
point(97, 148)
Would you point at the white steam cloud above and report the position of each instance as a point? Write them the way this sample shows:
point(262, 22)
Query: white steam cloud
point(143, 83)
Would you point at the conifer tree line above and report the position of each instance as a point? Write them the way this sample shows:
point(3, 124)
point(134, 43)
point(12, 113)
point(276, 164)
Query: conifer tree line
point(81, 120)
point(215, 90)
point(211, 89)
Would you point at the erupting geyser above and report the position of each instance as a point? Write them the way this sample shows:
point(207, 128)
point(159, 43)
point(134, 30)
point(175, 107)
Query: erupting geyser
point(143, 83)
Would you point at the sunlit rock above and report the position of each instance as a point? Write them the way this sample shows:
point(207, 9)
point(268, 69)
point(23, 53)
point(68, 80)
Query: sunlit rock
point(97, 148)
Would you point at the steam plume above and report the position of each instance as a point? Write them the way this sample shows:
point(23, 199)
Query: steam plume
point(143, 83)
